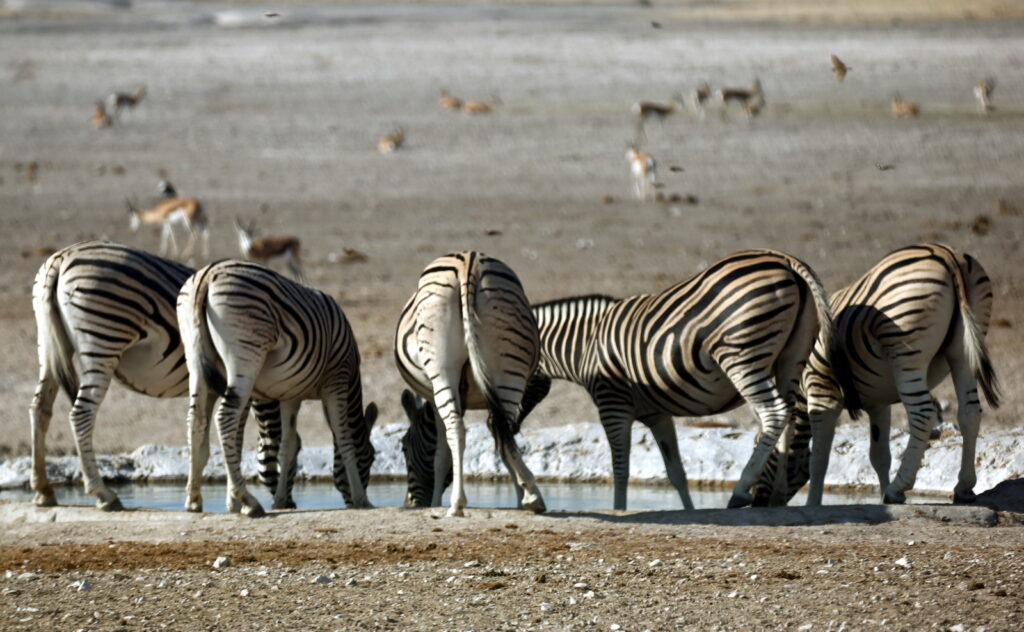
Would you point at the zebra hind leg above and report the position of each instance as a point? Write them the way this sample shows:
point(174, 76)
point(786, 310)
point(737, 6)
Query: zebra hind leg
point(664, 431)
point(228, 412)
point(880, 452)
point(95, 381)
point(968, 417)
point(772, 411)
point(200, 408)
point(288, 416)
point(40, 414)
point(921, 417)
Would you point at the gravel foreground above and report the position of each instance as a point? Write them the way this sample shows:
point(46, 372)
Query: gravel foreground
point(840, 567)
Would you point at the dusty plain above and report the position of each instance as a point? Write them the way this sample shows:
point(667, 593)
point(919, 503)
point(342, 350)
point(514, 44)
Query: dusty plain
point(276, 120)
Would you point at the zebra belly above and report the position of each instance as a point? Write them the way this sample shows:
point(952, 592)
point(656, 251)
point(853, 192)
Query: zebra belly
point(152, 370)
point(723, 397)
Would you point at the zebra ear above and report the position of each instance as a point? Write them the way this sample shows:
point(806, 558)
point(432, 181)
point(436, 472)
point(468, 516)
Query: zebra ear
point(370, 415)
point(409, 403)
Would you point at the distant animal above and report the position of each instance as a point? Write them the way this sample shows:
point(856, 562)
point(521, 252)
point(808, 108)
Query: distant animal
point(983, 92)
point(392, 141)
point(903, 109)
point(479, 107)
point(643, 172)
point(467, 340)
point(647, 110)
point(740, 95)
point(699, 97)
point(753, 106)
point(126, 100)
point(100, 118)
point(919, 314)
point(106, 311)
point(250, 332)
point(171, 213)
point(450, 102)
point(269, 249)
point(839, 69)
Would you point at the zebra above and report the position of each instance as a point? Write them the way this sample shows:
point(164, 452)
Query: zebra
point(467, 340)
point(918, 315)
point(114, 307)
point(740, 331)
point(248, 331)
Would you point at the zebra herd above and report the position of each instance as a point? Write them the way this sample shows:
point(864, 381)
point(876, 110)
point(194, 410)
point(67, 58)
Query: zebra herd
point(756, 327)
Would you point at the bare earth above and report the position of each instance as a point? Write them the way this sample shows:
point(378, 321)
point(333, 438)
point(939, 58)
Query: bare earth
point(277, 119)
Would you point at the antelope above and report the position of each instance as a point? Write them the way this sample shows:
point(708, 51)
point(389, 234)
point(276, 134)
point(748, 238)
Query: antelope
point(699, 97)
point(170, 212)
point(267, 249)
point(839, 69)
point(450, 102)
point(741, 95)
point(903, 109)
point(479, 107)
point(119, 100)
point(983, 92)
point(642, 168)
point(392, 141)
point(100, 118)
point(753, 105)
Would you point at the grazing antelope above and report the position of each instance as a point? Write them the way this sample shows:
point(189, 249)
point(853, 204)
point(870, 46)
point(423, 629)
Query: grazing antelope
point(642, 168)
point(173, 211)
point(267, 249)
point(450, 102)
point(100, 118)
point(839, 69)
point(983, 92)
point(392, 141)
point(699, 97)
point(121, 100)
point(479, 107)
point(753, 106)
point(903, 109)
point(645, 110)
point(740, 95)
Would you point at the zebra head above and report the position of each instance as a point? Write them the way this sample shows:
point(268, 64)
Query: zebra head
point(419, 444)
point(365, 452)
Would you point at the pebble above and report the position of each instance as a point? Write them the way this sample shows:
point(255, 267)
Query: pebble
point(654, 563)
point(323, 579)
point(903, 562)
point(545, 606)
point(471, 564)
point(81, 586)
point(222, 562)
point(351, 581)
point(244, 592)
point(580, 585)
point(615, 627)
point(28, 577)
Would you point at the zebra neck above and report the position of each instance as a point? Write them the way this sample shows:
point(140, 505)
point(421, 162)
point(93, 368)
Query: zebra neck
point(568, 328)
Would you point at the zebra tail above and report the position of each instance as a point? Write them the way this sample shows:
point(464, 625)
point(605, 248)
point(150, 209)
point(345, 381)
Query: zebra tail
point(57, 351)
point(974, 341)
point(832, 341)
point(499, 423)
point(212, 375)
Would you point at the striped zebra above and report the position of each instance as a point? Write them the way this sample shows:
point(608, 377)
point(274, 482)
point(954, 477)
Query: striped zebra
point(467, 340)
point(919, 314)
point(740, 331)
point(114, 308)
point(250, 332)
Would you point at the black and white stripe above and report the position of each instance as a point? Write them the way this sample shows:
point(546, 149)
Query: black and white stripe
point(918, 315)
point(112, 308)
point(467, 340)
point(250, 332)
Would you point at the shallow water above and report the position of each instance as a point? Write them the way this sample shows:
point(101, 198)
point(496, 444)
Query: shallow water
point(322, 495)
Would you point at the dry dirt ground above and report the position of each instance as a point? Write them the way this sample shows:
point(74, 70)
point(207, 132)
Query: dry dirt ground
point(843, 568)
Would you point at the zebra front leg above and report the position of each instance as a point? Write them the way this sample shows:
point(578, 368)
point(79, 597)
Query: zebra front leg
point(287, 454)
point(515, 482)
point(200, 407)
point(880, 422)
point(83, 418)
point(40, 413)
point(968, 417)
point(772, 411)
point(664, 431)
point(823, 431)
point(921, 417)
point(268, 422)
point(228, 411)
point(526, 485)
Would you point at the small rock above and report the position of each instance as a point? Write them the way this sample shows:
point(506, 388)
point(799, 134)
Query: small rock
point(572, 601)
point(545, 606)
point(733, 595)
point(806, 626)
point(654, 563)
point(615, 627)
point(471, 564)
point(244, 592)
point(351, 581)
point(28, 577)
point(323, 579)
point(222, 562)
point(580, 585)
point(904, 562)
point(82, 586)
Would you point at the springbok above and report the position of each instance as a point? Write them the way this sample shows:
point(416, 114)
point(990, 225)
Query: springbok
point(983, 92)
point(698, 97)
point(450, 102)
point(173, 211)
point(121, 100)
point(903, 109)
point(392, 141)
point(100, 118)
point(839, 69)
point(267, 249)
point(741, 95)
point(479, 107)
point(642, 168)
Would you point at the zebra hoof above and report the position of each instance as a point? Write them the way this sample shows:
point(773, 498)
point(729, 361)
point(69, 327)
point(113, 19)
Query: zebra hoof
point(110, 505)
point(894, 498)
point(194, 507)
point(288, 504)
point(739, 500)
point(45, 499)
point(964, 498)
point(455, 512)
point(254, 511)
point(536, 506)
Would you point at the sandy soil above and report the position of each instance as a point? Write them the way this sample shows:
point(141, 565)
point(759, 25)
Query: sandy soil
point(904, 568)
point(277, 121)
